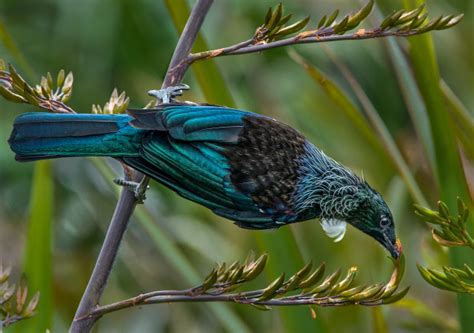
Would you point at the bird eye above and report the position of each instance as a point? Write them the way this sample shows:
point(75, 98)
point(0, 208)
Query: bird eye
point(384, 222)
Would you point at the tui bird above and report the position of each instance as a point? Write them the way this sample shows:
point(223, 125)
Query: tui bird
point(246, 167)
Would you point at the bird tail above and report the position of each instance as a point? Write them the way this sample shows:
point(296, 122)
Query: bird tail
point(41, 135)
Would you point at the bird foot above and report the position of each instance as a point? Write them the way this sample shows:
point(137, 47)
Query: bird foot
point(138, 189)
point(167, 95)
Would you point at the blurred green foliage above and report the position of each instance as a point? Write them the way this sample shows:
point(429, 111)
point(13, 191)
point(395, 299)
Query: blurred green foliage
point(127, 44)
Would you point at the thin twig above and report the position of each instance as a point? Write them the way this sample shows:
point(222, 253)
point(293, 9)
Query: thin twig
point(251, 297)
point(127, 201)
point(247, 47)
point(305, 287)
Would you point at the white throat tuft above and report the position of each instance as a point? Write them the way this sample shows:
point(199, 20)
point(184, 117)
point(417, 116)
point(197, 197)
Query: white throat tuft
point(334, 228)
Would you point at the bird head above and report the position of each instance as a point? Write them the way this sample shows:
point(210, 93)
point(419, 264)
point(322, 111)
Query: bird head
point(374, 218)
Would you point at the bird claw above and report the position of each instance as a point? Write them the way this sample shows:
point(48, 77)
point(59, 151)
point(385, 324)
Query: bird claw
point(138, 189)
point(168, 94)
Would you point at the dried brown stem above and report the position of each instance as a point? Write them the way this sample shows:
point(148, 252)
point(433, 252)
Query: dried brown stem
point(332, 291)
point(323, 36)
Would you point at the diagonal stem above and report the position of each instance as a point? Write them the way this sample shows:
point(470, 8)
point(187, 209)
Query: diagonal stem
point(324, 36)
point(127, 201)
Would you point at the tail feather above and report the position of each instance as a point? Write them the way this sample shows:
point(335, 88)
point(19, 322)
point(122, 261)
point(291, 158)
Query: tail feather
point(39, 125)
point(48, 135)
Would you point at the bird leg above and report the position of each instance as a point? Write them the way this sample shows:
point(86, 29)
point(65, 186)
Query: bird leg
point(138, 189)
point(168, 94)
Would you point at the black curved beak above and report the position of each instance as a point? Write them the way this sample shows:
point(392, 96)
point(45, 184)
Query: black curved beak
point(391, 243)
point(394, 249)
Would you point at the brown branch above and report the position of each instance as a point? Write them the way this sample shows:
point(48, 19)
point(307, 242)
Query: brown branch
point(127, 201)
point(399, 23)
point(173, 297)
point(306, 287)
point(322, 37)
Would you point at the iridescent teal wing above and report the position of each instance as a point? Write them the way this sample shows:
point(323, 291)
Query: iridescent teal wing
point(186, 150)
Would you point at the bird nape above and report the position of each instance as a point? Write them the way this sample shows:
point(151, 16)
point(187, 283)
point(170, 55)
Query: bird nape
point(243, 166)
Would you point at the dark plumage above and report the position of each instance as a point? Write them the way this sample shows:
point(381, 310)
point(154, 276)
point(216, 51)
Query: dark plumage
point(264, 163)
point(249, 168)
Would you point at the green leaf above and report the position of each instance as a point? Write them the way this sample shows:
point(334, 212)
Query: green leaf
point(378, 321)
point(210, 280)
point(418, 21)
point(461, 118)
point(345, 282)
point(322, 21)
point(327, 283)
point(270, 290)
point(413, 98)
point(285, 19)
point(38, 253)
point(268, 16)
point(396, 297)
point(275, 18)
point(352, 291)
point(443, 210)
point(11, 96)
point(451, 22)
point(340, 27)
point(313, 278)
point(60, 78)
point(367, 293)
point(390, 20)
point(295, 27)
point(409, 16)
point(331, 18)
point(430, 25)
point(254, 270)
point(443, 22)
point(357, 18)
point(49, 81)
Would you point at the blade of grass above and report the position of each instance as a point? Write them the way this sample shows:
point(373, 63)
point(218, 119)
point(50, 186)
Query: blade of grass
point(462, 119)
point(216, 91)
point(9, 43)
point(382, 131)
point(450, 173)
point(175, 257)
point(207, 74)
point(38, 254)
point(378, 321)
point(410, 92)
point(337, 95)
point(413, 100)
